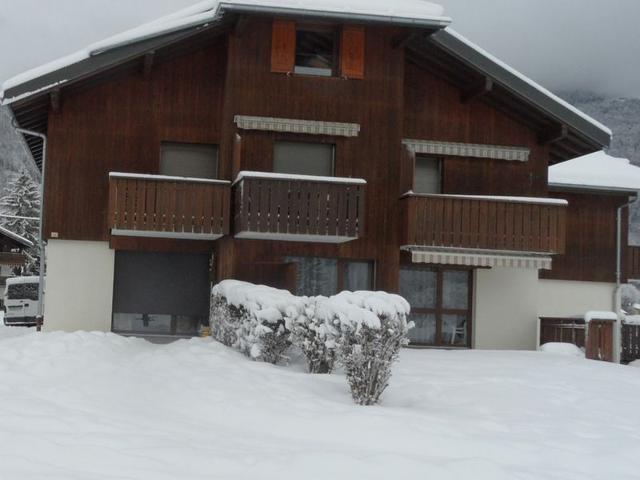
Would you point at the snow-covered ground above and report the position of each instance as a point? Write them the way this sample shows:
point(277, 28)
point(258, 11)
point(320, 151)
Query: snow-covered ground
point(100, 406)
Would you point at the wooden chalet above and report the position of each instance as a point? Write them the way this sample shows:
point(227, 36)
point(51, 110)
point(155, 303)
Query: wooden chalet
point(312, 148)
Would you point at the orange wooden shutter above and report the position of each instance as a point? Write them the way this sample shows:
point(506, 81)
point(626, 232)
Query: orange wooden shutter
point(352, 52)
point(283, 46)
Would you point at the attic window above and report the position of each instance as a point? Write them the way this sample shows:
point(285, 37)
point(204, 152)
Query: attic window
point(316, 51)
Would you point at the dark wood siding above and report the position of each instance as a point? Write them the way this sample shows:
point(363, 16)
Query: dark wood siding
point(434, 111)
point(118, 126)
point(591, 239)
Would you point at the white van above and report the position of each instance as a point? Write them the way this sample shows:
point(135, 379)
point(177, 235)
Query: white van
point(21, 301)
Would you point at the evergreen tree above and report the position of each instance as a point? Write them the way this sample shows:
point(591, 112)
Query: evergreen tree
point(23, 200)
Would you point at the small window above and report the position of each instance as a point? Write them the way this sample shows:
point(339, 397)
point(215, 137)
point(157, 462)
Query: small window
point(316, 51)
point(428, 175)
point(189, 160)
point(304, 158)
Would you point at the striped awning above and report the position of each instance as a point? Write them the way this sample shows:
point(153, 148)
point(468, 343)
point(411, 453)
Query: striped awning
point(497, 152)
point(473, 259)
point(311, 127)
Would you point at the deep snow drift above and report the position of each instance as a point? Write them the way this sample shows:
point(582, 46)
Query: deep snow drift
point(100, 406)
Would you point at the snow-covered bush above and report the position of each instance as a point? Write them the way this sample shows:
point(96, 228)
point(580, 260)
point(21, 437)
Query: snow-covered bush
point(316, 338)
point(254, 318)
point(372, 328)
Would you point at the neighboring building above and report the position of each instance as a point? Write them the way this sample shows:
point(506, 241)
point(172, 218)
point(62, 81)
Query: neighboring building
point(584, 277)
point(314, 148)
point(11, 256)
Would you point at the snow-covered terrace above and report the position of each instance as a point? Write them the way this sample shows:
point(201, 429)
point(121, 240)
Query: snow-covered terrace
point(597, 171)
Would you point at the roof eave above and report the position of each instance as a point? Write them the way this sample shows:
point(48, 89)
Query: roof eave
point(432, 23)
point(601, 189)
point(519, 87)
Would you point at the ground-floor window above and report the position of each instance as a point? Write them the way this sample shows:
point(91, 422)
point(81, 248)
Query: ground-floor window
point(160, 293)
point(328, 276)
point(440, 301)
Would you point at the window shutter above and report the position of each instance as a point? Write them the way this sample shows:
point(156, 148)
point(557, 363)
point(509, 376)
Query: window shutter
point(352, 52)
point(283, 46)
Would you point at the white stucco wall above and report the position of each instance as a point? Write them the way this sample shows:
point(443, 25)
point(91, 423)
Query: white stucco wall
point(79, 287)
point(505, 309)
point(560, 298)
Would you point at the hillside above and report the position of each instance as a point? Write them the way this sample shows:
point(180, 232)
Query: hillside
point(13, 152)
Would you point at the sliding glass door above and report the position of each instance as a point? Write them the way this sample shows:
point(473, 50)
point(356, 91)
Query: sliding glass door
point(440, 301)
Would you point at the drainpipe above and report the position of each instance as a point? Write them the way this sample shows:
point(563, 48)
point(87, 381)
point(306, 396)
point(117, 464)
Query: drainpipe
point(43, 137)
point(617, 297)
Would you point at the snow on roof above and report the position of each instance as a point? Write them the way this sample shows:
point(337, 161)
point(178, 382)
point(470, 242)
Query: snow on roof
point(207, 11)
point(596, 315)
point(526, 79)
point(598, 171)
point(16, 237)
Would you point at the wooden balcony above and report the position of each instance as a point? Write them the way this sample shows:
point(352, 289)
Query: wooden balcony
point(510, 224)
point(299, 208)
point(13, 259)
point(168, 207)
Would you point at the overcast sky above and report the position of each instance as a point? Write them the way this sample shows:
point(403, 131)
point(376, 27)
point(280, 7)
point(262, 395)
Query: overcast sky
point(563, 44)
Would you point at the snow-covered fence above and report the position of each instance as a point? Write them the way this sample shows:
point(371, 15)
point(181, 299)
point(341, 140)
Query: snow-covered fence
point(562, 330)
point(254, 318)
point(630, 338)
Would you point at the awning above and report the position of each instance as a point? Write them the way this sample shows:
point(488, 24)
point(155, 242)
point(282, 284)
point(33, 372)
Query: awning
point(480, 259)
point(497, 152)
point(291, 125)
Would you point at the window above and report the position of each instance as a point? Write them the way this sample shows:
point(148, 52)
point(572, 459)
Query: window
point(160, 293)
point(428, 175)
point(189, 160)
point(304, 158)
point(328, 276)
point(440, 305)
point(22, 291)
point(316, 51)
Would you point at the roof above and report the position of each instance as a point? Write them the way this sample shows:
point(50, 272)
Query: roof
point(27, 93)
point(15, 237)
point(401, 12)
point(596, 172)
point(521, 84)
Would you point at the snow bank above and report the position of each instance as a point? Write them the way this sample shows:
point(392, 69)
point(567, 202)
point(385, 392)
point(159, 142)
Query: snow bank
point(96, 406)
point(566, 349)
point(597, 170)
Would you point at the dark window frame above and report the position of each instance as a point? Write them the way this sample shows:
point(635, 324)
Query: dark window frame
point(310, 139)
point(438, 159)
point(439, 311)
point(314, 27)
point(341, 270)
point(197, 144)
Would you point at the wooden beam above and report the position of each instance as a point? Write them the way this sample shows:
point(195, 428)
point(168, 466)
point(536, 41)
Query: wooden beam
point(400, 41)
point(147, 64)
point(54, 98)
point(478, 90)
point(553, 135)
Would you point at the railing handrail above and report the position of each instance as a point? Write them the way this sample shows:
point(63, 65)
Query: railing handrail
point(167, 178)
point(305, 178)
point(490, 198)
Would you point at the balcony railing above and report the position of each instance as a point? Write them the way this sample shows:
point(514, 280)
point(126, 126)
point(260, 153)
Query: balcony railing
point(12, 258)
point(168, 207)
point(518, 224)
point(271, 206)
